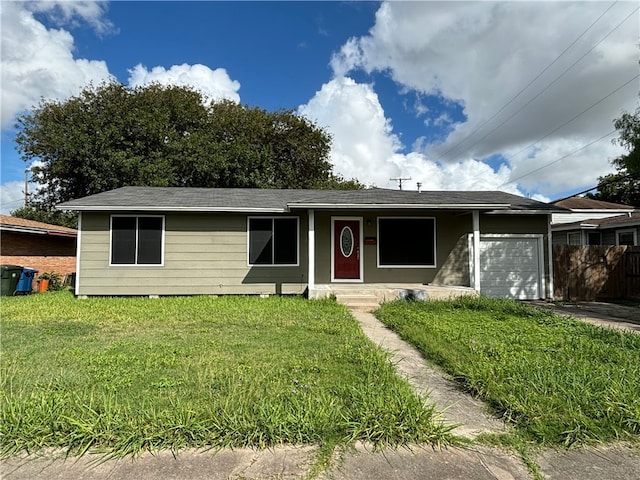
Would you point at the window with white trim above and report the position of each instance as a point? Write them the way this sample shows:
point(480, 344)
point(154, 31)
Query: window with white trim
point(626, 237)
point(406, 242)
point(574, 238)
point(273, 240)
point(137, 240)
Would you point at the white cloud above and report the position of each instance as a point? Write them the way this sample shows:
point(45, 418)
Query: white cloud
point(12, 192)
point(38, 62)
point(214, 84)
point(481, 54)
point(365, 147)
point(11, 196)
point(69, 12)
point(362, 137)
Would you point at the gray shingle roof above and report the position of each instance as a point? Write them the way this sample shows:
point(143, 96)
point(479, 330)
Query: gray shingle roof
point(582, 203)
point(265, 200)
point(625, 220)
point(7, 222)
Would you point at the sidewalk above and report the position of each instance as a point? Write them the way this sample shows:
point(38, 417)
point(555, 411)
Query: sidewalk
point(294, 463)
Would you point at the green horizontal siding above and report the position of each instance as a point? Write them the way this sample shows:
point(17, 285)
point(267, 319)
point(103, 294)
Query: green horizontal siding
point(204, 254)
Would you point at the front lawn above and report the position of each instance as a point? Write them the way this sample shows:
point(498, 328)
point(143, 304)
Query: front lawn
point(559, 381)
point(127, 374)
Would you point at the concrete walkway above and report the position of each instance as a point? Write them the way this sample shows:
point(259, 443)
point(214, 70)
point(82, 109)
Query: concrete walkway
point(457, 408)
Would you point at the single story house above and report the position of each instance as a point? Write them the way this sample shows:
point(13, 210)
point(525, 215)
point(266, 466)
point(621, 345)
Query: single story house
point(617, 230)
point(565, 224)
point(37, 245)
point(192, 241)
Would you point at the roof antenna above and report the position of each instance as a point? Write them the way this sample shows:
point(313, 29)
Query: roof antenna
point(400, 180)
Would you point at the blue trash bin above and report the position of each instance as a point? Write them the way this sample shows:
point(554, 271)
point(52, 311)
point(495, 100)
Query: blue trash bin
point(25, 284)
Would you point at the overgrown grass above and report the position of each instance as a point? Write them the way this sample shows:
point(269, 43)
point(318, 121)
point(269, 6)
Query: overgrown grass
point(126, 374)
point(559, 381)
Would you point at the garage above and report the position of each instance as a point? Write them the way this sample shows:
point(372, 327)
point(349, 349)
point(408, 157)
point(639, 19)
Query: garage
point(511, 266)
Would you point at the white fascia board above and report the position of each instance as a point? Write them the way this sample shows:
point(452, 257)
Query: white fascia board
point(15, 228)
point(612, 211)
point(522, 212)
point(148, 208)
point(397, 206)
point(591, 226)
point(563, 227)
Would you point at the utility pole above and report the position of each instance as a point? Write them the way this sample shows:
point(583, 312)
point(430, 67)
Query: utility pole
point(400, 180)
point(26, 187)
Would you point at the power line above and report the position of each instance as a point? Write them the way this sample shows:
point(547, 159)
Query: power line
point(529, 84)
point(557, 160)
point(552, 82)
point(20, 200)
point(574, 118)
point(600, 184)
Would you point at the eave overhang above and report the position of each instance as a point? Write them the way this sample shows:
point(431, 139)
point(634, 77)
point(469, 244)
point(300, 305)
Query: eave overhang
point(398, 206)
point(36, 231)
point(159, 208)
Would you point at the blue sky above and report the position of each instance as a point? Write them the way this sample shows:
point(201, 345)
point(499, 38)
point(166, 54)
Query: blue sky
point(461, 95)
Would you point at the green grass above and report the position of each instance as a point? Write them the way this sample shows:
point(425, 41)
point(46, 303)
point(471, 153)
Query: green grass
point(122, 375)
point(559, 381)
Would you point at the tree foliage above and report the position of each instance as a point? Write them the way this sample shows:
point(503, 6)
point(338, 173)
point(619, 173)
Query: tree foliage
point(629, 127)
point(624, 185)
point(53, 217)
point(112, 135)
point(623, 188)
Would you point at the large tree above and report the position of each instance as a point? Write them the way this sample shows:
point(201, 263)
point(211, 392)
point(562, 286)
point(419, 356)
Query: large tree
point(112, 135)
point(624, 185)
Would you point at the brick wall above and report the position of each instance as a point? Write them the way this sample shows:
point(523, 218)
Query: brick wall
point(45, 253)
point(61, 265)
point(28, 244)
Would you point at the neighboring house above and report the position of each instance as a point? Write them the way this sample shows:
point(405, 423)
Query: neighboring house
point(37, 245)
point(189, 241)
point(581, 226)
point(619, 230)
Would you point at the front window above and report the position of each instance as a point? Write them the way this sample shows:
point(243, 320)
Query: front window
point(406, 242)
point(273, 241)
point(136, 240)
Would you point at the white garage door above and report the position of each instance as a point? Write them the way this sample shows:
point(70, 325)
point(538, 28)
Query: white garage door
point(511, 267)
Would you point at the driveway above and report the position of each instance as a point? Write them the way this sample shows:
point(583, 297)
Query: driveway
point(602, 314)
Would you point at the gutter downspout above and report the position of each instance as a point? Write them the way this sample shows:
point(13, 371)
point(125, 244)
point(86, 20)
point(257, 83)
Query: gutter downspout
point(476, 250)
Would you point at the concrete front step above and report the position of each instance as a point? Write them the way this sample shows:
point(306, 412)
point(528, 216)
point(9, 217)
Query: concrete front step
point(360, 301)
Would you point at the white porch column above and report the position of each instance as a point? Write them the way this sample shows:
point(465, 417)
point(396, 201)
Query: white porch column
point(476, 250)
point(550, 258)
point(78, 250)
point(311, 276)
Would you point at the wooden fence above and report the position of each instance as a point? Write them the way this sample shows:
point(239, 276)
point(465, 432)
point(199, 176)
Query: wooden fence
point(596, 272)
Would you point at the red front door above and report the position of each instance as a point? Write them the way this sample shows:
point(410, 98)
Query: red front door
point(346, 249)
